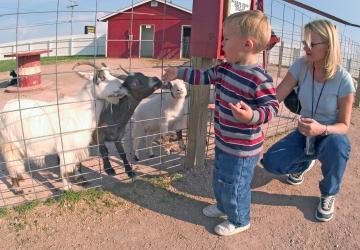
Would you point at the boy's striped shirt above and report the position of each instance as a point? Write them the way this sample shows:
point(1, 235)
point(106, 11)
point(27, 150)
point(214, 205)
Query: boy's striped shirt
point(235, 83)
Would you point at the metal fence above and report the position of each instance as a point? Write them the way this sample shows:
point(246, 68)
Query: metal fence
point(287, 22)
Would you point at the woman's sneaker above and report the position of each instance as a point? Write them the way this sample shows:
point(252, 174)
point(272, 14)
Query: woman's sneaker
point(298, 178)
point(212, 211)
point(325, 210)
point(227, 228)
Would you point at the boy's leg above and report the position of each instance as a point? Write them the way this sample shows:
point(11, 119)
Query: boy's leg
point(216, 185)
point(287, 155)
point(216, 210)
point(231, 182)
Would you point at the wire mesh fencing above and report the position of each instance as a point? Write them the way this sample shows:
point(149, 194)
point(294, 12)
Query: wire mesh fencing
point(287, 22)
point(136, 38)
point(44, 123)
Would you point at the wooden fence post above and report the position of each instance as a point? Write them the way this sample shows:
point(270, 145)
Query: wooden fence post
point(71, 46)
point(198, 117)
point(357, 95)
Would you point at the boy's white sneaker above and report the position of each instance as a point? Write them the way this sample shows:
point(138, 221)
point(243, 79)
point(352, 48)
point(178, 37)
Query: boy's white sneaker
point(227, 228)
point(212, 211)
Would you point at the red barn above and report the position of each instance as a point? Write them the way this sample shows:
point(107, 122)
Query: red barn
point(149, 28)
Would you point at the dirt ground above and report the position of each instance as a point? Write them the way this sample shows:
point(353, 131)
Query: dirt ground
point(142, 215)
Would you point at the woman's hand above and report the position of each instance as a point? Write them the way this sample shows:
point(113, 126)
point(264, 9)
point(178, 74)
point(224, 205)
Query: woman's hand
point(170, 74)
point(310, 127)
point(285, 87)
point(242, 112)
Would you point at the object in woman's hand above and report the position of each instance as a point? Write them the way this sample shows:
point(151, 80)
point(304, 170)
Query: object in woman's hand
point(310, 145)
point(292, 102)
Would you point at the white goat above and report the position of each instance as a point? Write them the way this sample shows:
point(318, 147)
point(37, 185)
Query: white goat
point(31, 129)
point(169, 107)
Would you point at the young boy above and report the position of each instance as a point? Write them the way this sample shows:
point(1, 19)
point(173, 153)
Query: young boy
point(245, 99)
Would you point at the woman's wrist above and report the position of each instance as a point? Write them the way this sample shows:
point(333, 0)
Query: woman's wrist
point(325, 131)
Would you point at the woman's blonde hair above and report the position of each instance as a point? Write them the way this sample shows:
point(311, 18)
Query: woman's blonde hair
point(252, 24)
point(327, 31)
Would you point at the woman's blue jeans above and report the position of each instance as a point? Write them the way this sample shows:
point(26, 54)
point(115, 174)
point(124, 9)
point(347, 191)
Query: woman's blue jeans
point(232, 177)
point(287, 157)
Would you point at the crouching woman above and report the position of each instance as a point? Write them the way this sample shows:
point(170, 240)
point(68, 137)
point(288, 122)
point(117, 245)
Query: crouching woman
point(326, 94)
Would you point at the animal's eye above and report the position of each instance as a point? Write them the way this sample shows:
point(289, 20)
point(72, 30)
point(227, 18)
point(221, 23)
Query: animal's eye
point(134, 83)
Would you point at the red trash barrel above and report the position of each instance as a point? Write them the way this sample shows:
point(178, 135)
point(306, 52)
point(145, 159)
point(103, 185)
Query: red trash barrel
point(29, 70)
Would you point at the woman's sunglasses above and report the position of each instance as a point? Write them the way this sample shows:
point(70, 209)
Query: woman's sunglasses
point(312, 45)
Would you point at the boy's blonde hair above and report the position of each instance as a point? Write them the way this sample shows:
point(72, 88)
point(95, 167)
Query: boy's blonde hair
point(252, 24)
point(327, 31)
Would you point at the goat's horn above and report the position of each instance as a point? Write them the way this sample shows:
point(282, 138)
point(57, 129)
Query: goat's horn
point(87, 63)
point(104, 65)
point(127, 72)
point(121, 77)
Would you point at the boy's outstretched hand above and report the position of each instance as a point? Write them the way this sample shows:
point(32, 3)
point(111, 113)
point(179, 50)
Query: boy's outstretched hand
point(170, 74)
point(242, 112)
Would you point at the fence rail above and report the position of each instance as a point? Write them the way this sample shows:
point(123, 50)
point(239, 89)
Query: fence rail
point(60, 46)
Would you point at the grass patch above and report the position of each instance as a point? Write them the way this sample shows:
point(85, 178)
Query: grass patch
point(176, 176)
point(50, 201)
point(70, 198)
point(7, 65)
point(93, 195)
point(166, 180)
point(24, 208)
point(4, 212)
point(161, 182)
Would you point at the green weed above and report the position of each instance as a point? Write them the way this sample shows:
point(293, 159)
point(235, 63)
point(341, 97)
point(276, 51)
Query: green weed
point(24, 208)
point(4, 212)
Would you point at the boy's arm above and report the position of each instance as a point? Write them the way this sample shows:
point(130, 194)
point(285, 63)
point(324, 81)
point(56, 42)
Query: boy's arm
point(267, 103)
point(196, 76)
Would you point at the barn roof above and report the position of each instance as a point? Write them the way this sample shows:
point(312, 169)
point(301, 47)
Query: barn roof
point(104, 18)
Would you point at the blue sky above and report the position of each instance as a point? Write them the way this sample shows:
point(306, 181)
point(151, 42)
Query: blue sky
point(43, 22)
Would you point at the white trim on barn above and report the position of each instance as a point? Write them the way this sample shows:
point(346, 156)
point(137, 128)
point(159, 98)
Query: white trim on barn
point(140, 39)
point(106, 39)
point(104, 18)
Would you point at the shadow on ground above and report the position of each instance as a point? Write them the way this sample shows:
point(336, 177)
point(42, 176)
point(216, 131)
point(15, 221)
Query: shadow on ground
point(187, 204)
point(4, 84)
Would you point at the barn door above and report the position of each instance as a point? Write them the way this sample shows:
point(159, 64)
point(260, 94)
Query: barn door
point(185, 41)
point(147, 41)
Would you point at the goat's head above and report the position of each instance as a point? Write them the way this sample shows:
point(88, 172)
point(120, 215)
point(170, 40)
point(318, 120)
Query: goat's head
point(106, 86)
point(139, 85)
point(178, 88)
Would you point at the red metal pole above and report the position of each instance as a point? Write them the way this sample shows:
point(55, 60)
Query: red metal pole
point(260, 6)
